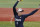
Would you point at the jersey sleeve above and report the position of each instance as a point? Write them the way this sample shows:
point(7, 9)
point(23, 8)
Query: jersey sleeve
point(26, 15)
point(14, 8)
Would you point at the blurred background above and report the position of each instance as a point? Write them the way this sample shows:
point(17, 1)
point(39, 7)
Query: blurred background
point(6, 12)
point(22, 4)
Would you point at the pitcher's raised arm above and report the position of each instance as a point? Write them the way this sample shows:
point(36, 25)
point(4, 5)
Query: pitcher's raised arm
point(26, 15)
point(14, 8)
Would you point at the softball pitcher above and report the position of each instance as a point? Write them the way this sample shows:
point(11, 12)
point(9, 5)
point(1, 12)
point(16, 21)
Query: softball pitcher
point(19, 18)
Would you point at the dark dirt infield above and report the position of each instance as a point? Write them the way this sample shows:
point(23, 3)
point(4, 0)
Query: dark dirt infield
point(7, 13)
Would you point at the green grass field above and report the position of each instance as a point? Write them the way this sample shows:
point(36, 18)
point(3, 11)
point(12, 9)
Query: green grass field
point(23, 4)
point(26, 24)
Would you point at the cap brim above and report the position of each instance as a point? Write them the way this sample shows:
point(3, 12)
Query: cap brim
point(22, 11)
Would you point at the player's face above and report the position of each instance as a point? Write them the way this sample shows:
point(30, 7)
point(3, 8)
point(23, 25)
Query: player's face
point(19, 13)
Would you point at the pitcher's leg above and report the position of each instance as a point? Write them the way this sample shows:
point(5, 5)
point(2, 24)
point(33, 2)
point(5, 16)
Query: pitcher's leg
point(16, 24)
